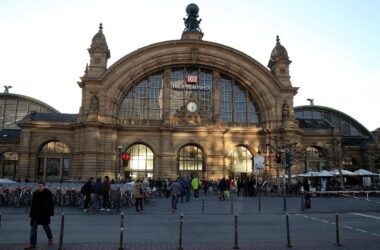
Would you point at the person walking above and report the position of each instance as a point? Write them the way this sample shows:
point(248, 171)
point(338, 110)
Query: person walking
point(182, 182)
point(306, 189)
point(86, 190)
point(222, 187)
point(187, 188)
point(139, 194)
point(41, 210)
point(196, 185)
point(106, 193)
point(98, 192)
point(175, 191)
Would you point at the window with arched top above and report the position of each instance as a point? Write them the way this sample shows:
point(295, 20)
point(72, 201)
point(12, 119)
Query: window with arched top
point(241, 160)
point(190, 90)
point(190, 160)
point(140, 163)
point(53, 161)
point(8, 164)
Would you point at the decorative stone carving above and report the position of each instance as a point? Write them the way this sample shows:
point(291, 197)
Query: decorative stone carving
point(94, 104)
point(285, 111)
point(194, 55)
point(192, 22)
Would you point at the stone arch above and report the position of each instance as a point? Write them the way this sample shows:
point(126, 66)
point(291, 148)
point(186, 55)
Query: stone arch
point(135, 141)
point(260, 82)
point(42, 141)
point(189, 143)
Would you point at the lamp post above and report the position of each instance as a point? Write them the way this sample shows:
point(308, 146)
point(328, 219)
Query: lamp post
point(120, 148)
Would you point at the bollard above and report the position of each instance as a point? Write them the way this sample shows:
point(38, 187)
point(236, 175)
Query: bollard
point(367, 196)
point(203, 205)
point(236, 245)
point(121, 247)
point(180, 247)
point(288, 231)
point(0, 218)
point(61, 232)
point(337, 230)
point(232, 203)
point(302, 202)
point(118, 198)
point(61, 201)
point(259, 202)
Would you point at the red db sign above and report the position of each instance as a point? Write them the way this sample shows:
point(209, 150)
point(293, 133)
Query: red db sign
point(192, 79)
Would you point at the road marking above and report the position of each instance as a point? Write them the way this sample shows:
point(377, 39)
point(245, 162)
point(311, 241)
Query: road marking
point(348, 227)
point(359, 230)
point(366, 215)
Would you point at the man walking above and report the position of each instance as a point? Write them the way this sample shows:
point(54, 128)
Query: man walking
point(86, 190)
point(41, 210)
point(196, 185)
point(175, 191)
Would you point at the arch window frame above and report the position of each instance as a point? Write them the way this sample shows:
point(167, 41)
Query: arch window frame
point(190, 159)
point(141, 161)
point(245, 156)
point(54, 161)
point(8, 164)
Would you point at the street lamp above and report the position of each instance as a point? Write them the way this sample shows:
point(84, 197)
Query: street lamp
point(120, 148)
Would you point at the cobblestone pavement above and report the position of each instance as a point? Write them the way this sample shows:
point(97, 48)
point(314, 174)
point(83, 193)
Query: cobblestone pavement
point(208, 224)
point(262, 245)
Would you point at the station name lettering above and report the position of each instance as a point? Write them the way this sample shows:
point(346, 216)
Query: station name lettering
point(190, 87)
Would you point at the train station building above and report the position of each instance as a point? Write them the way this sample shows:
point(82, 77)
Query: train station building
point(181, 107)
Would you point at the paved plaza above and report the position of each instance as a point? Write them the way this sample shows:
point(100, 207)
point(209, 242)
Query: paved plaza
point(209, 224)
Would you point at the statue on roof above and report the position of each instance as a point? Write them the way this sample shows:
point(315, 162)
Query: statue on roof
point(6, 88)
point(192, 22)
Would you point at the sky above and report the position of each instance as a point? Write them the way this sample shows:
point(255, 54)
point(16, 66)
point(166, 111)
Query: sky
point(333, 44)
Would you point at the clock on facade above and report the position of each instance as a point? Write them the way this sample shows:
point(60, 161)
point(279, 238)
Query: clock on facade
point(192, 106)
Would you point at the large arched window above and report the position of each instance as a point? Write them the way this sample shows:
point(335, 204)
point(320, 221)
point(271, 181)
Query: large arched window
point(53, 161)
point(241, 160)
point(190, 160)
point(144, 100)
point(236, 104)
point(140, 164)
point(8, 163)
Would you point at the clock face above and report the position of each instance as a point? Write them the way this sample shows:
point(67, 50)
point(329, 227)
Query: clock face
point(192, 106)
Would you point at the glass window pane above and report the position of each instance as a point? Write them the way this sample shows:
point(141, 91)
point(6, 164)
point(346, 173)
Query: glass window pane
point(241, 160)
point(190, 158)
point(144, 100)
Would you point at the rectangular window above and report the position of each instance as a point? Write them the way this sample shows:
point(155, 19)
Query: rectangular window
point(40, 167)
point(65, 167)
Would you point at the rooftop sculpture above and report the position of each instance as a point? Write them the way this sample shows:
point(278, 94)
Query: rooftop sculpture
point(192, 22)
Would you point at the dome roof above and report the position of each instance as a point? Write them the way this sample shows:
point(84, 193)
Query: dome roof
point(15, 107)
point(99, 41)
point(279, 52)
point(348, 125)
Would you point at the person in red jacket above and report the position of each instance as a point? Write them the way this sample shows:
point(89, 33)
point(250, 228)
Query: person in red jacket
point(41, 210)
